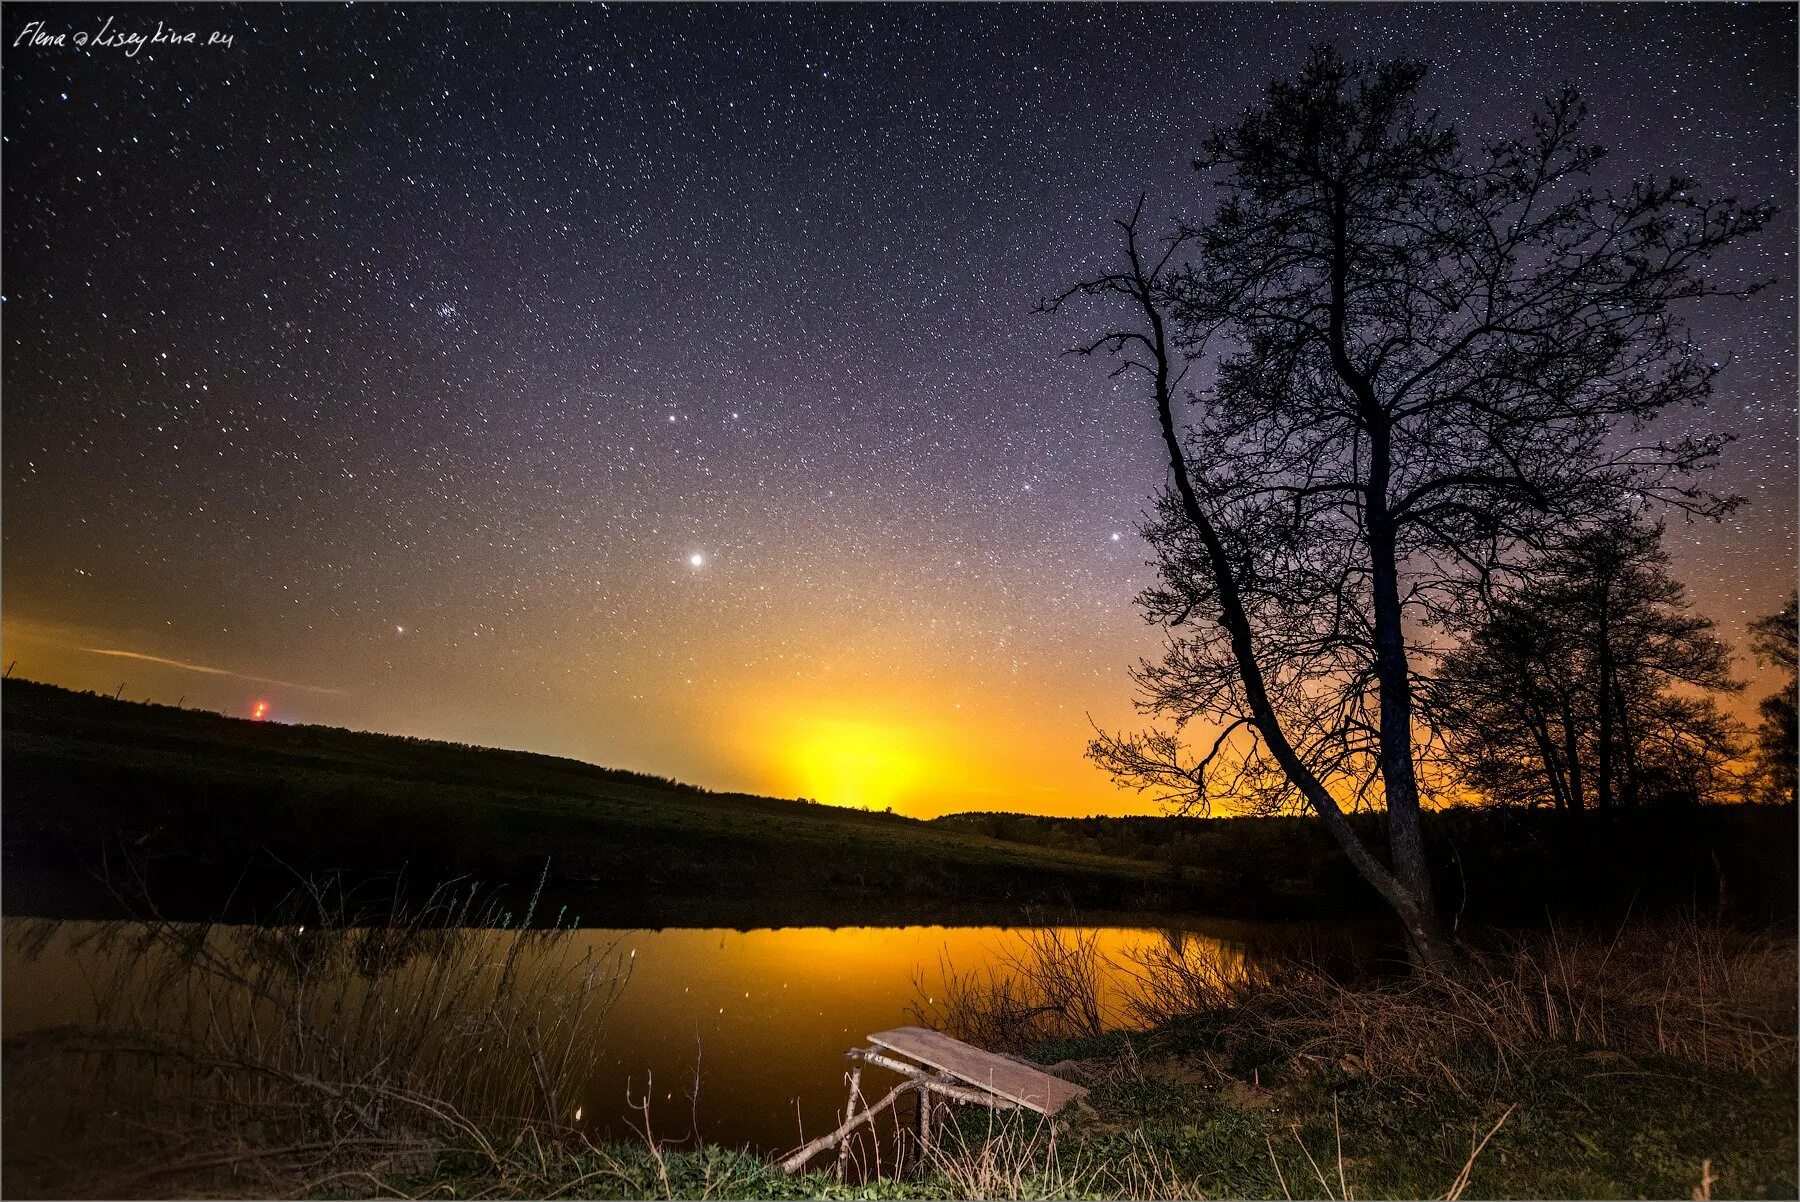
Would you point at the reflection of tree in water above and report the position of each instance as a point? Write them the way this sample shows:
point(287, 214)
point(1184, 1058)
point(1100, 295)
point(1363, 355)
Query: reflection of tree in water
point(1046, 985)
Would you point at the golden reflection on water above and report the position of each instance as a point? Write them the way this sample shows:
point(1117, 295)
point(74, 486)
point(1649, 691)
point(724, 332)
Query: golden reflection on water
point(735, 1035)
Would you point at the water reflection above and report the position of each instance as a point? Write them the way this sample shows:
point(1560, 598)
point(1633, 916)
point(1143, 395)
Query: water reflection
point(733, 1036)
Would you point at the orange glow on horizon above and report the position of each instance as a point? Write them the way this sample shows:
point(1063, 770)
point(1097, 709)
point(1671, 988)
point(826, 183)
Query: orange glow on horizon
point(894, 744)
point(864, 765)
point(259, 711)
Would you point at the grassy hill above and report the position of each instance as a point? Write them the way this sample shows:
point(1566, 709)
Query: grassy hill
point(190, 808)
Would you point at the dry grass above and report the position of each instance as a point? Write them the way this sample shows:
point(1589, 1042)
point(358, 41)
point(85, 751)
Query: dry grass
point(253, 1059)
point(1043, 985)
point(1175, 979)
point(1235, 1056)
point(1017, 1156)
point(1680, 988)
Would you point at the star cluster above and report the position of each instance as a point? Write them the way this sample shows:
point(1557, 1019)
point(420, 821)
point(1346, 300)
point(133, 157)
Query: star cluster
point(654, 384)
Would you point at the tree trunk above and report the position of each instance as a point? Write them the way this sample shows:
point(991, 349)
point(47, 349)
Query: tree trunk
point(1554, 774)
point(1572, 749)
point(1603, 764)
point(1400, 784)
point(1399, 779)
point(1627, 741)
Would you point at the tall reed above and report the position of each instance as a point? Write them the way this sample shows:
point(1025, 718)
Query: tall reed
point(1043, 984)
point(284, 1051)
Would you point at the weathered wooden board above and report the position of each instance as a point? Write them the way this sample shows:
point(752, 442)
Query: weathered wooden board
point(1017, 1083)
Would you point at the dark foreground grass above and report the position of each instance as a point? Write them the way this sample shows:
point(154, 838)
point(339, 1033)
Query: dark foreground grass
point(1567, 1125)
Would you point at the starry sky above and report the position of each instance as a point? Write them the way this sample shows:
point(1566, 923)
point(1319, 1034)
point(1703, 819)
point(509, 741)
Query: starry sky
point(659, 385)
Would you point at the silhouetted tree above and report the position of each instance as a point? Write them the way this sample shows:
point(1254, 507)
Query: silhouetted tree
point(1413, 361)
point(1511, 700)
point(1589, 683)
point(1773, 639)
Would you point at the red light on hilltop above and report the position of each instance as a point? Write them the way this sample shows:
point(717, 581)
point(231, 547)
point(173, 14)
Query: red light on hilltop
point(259, 711)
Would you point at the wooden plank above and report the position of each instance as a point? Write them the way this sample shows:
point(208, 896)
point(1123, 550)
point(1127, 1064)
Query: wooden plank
point(1017, 1083)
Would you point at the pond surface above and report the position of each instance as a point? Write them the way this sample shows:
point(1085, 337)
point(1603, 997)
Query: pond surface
point(758, 1020)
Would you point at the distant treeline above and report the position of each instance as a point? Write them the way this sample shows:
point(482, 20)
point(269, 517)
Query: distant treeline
point(1490, 863)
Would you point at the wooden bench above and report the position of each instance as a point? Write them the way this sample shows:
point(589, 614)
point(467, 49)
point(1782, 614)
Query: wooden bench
point(1001, 1076)
point(941, 1070)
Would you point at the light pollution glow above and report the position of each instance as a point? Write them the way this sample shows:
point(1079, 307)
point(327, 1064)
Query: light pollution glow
point(866, 738)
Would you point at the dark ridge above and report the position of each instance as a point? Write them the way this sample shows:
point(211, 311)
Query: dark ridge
point(113, 804)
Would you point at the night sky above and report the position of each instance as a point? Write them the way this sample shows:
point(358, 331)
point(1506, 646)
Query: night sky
point(659, 385)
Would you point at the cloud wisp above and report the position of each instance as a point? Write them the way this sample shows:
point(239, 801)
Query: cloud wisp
point(203, 668)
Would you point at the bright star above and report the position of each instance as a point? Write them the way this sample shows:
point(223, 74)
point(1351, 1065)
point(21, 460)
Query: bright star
point(696, 559)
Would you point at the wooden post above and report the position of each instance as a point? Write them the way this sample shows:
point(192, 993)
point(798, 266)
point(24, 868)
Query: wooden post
point(796, 1160)
point(924, 1124)
point(843, 1155)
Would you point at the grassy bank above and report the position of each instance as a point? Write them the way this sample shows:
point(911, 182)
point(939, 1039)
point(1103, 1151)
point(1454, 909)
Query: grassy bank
point(1566, 1126)
point(1656, 1063)
point(196, 810)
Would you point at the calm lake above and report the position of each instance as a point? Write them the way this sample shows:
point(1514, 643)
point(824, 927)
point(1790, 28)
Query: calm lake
point(736, 1036)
